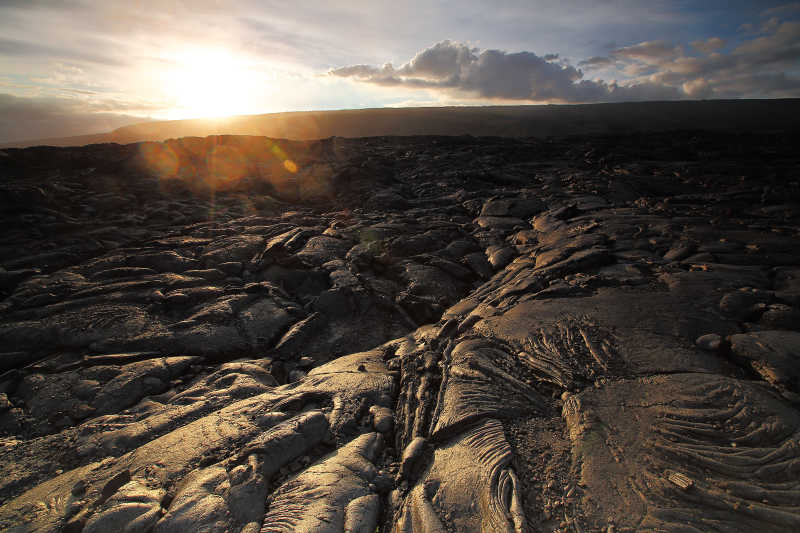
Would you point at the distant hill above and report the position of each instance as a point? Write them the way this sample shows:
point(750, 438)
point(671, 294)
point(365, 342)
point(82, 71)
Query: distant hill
point(506, 121)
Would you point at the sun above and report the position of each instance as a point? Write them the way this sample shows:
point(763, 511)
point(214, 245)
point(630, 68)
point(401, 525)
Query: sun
point(207, 83)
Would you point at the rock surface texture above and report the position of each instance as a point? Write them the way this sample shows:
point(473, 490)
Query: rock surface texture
point(406, 335)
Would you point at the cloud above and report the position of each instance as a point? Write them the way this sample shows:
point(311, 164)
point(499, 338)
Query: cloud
point(596, 62)
point(781, 10)
point(442, 60)
point(80, 49)
point(783, 46)
point(747, 28)
point(495, 74)
point(41, 118)
point(774, 17)
point(26, 49)
point(770, 25)
point(709, 45)
point(763, 66)
point(649, 52)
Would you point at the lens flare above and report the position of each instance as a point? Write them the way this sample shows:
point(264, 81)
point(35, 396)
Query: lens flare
point(214, 163)
point(226, 165)
point(161, 159)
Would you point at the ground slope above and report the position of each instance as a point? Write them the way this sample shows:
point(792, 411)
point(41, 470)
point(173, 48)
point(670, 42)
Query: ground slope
point(504, 121)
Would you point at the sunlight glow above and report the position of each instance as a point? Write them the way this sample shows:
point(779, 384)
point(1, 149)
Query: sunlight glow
point(210, 83)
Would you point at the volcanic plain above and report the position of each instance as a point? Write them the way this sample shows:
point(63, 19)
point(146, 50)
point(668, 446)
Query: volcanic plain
point(402, 334)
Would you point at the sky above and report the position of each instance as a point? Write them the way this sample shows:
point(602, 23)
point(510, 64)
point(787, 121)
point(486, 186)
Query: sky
point(78, 67)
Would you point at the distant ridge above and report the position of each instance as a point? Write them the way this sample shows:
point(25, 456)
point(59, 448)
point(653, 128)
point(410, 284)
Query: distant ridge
point(505, 121)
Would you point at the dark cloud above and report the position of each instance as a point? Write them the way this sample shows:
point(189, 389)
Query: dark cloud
point(444, 60)
point(522, 75)
point(763, 66)
point(496, 74)
point(41, 118)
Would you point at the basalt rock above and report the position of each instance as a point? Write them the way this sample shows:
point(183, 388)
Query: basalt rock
point(402, 335)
